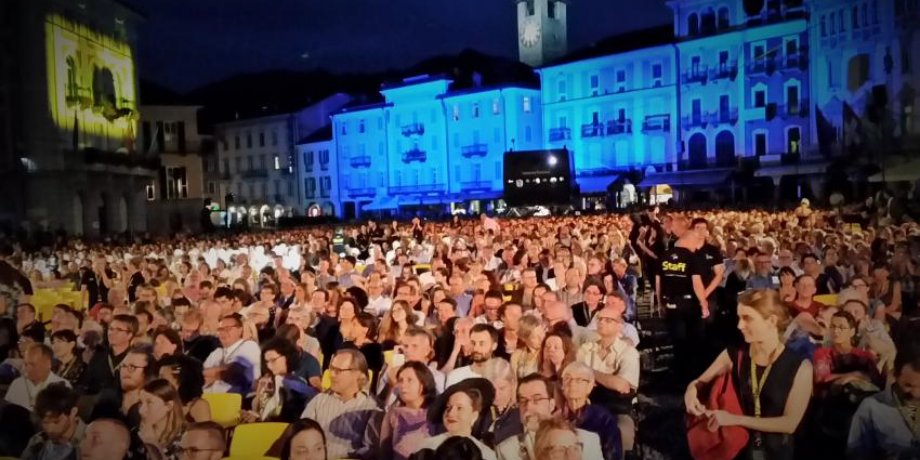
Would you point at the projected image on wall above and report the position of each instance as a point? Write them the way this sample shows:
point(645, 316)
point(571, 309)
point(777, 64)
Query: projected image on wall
point(91, 86)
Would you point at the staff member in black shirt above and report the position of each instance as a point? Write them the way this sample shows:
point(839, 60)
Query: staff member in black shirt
point(681, 292)
point(712, 263)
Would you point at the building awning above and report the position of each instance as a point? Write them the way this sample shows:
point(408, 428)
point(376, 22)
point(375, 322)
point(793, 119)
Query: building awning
point(793, 169)
point(678, 179)
point(382, 203)
point(422, 200)
point(596, 184)
point(905, 171)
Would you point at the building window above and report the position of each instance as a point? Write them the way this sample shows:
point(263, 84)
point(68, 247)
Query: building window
point(561, 89)
point(831, 75)
point(854, 18)
point(248, 140)
point(212, 189)
point(262, 163)
point(595, 84)
point(842, 16)
point(250, 162)
point(290, 188)
point(621, 81)
point(527, 107)
point(151, 192)
point(656, 74)
point(236, 142)
point(792, 99)
point(696, 112)
point(476, 110)
point(823, 26)
point(907, 120)
point(693, 24)
point(324, 160)
point(344, 129)
point(760, 98)
point(277, 162)
point(239, 164)
point(361, 126)
point(308, 160)
point(261, 139)
point(496, 106)
point(225, 145)
point(793, 140)
point(274, 137)
point(456, 112)
point(723, 18)
point(760, 143)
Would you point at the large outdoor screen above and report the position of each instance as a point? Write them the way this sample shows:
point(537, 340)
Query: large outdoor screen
point(91, 85)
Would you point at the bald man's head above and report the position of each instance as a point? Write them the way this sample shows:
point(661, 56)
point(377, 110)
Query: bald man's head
point(105, 439)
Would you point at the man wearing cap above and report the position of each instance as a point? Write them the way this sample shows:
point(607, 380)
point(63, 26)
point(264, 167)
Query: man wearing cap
point(537, 403)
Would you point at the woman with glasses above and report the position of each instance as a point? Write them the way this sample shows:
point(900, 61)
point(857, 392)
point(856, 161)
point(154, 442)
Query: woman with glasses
point(584, 311)
point(405, 426)
point(162, 421)
point(304, 440)
point(70, 364)
point(841, 363)
point(526, 360)
point(281, 395)
point(557, 439)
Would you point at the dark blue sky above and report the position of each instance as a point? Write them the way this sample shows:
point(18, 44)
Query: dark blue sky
point(186, 43)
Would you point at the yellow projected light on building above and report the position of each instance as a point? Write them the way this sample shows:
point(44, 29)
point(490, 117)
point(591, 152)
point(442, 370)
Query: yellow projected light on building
point(91, 85)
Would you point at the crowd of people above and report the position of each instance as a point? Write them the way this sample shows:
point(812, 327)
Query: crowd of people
point(511, 339)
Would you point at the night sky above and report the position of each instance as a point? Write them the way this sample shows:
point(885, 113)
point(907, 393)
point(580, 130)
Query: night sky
point(187, 43)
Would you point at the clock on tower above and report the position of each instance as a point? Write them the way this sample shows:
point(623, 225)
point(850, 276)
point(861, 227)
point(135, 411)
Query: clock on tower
point(541, 30)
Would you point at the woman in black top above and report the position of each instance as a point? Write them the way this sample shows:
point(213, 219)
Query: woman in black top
point(583, 312)
point(773, 383)
point(364, 333)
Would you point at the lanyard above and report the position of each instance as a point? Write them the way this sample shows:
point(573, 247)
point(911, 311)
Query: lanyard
point(112, 367)
point(756, 389)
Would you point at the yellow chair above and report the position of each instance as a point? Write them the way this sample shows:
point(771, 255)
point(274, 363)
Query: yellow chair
point(225, 408)
point(826, 299)
point(388, 357)
point(251, 440)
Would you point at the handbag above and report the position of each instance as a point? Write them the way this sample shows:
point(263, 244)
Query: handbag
point(725, 443)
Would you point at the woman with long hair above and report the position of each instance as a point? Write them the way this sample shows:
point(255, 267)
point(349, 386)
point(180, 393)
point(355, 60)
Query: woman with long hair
point(347, 310)
point(281, 395)
point(395, 323)
point(304, 440)
point(557, 352)
point(405, 426)
point(364, 332)
point(787, 289)
point(186, 375)
point(162, 421)
point(526, 360)
point(774, 384)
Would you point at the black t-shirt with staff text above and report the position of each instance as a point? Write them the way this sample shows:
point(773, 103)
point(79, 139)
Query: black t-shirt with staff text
point(677, 269)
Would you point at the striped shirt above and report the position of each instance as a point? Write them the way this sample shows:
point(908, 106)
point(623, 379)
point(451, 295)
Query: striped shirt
point(352, 427)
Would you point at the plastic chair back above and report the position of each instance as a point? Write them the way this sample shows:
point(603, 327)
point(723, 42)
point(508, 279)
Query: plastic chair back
point(225, 408)
point(251, 440)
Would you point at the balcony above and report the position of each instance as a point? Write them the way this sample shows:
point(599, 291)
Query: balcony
point(657, 123)
point(475, 186)
point(360, 161)
point(729, 70)
point(616, 127)
point(794, 110)
point(763, 66)
point(422, 188)
point(724, 117)
point(698, 75)
point(592, 130)
point(255, 174)
point(475, 150)
point(415, 154)
point(559, 134)
point(413, 129)
point(357, 192)
point(694, 121)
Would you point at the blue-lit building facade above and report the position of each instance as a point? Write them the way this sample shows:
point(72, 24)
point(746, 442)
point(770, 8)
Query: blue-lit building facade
point(733, 96)
point(428, 145)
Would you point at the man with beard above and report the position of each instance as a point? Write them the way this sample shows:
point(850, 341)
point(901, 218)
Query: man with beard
point(537, 403)
point(483, 340)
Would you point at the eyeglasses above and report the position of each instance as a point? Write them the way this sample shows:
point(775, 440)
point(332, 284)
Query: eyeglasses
point(339, 370)
point(608, 319)
point(132, 367)
point(193, 451)
point(524, 402)
point(561, 452)
point(579, 380)
point(272, 360)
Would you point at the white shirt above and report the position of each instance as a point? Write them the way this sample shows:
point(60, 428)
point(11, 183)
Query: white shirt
point(460, 374)
point(22, 391)
point(379, 306)
point(245, 352)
